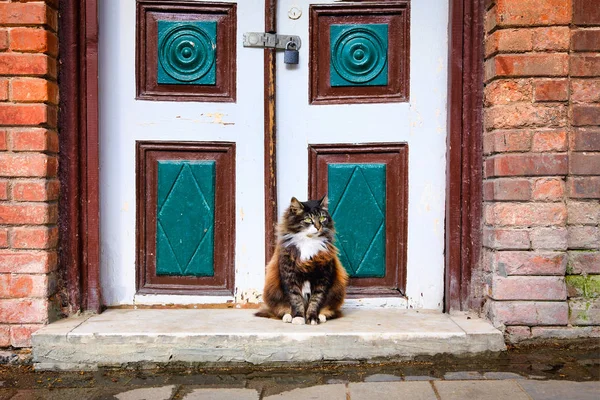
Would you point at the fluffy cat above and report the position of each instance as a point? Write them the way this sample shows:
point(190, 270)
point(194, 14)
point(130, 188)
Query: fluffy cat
point(305, 282)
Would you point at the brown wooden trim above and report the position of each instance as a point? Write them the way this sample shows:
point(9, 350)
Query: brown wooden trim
point(396, 14)
point(148, 154)
point(270, 135)
point(464, 157)
point(79, 161)
point(395, 156)
point(148, 13)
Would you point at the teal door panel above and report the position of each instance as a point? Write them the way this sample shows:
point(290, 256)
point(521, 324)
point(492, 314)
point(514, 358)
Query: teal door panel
point(185, 218)
point(357, 198)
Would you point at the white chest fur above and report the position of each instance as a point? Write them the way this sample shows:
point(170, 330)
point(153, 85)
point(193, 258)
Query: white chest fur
point(308, 246)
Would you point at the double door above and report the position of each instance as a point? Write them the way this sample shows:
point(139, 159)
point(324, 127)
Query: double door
point(361, 118)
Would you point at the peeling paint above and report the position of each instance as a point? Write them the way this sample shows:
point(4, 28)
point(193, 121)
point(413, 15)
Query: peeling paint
point(252, 296)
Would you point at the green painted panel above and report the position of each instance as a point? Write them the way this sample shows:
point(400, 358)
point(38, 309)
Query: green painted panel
point(187, 52)
point(185, 218)
point(359, 55)
point(357, 205)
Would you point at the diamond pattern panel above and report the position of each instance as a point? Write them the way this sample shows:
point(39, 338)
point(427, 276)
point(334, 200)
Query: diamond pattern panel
point(185, 218)
point(357, 205)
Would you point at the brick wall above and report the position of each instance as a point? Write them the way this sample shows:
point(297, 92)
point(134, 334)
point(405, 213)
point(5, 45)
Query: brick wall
point(541, 260)
point(28, 167)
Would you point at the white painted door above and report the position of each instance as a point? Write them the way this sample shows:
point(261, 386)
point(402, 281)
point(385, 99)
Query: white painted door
point(418, 122)
point(125, 120)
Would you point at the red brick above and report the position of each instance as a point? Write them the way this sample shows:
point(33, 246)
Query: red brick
point(28, 164)
point(549, 141)
point(27, 64)
point(584, 187)
point(526, 165)
point(584, 262)
point(583, 212)
point(40, 237)
point(531, 64)
point(586, 40)
point(490, 20)
point(509, 239)
point(548, 189)
point(24, 262)
point(3, 238)
point(527, 214)
point(554, 38)
point(3, 89)
point(586, 12)
point(34, 90)
point(20, 311)
point(3, 189)
point(585, 90)
point(551, 90)
point(511, 141)
point(549, 238)
point(583, 237)
point(18, 286)
point(530, 263)
point(585, 65)
point(529, 288)
point(28, 114)
point(516, 334)
point(4, 335)
point(530, 313)
point(509, 40)
point(34, 139)
point(34, 40)
point(533, 12)
point(523, 115)
point(507, 91)
point(3, 143)
point(22, 14)
point(41, 190)
point(586, 114)
point(20, 335)
point(584, 163)
point(28, 214)
point(509, 189)
point(3, 39)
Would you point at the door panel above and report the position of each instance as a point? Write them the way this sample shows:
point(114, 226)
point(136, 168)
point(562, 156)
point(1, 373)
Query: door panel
point(358, 85)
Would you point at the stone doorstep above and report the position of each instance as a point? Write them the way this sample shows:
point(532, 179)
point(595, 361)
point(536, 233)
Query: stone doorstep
point(118, 337)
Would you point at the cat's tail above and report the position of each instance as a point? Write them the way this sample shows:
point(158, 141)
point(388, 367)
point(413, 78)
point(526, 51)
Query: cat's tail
point(264, 312)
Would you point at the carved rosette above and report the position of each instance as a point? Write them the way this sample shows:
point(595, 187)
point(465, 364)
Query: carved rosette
point(359, 55)
point(187, 52)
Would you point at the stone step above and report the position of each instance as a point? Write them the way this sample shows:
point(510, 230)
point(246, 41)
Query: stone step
point(117, 337)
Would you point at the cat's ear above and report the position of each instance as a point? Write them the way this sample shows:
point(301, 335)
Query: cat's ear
point(324, 202)
point(296, 206)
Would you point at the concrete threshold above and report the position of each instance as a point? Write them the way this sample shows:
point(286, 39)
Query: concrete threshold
point(218, 336)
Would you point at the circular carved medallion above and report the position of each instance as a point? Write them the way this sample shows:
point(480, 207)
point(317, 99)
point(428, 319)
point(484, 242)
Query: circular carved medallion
point(359, 55)
point(186, 52)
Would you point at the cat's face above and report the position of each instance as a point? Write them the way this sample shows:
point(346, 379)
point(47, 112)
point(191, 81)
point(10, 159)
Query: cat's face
point(309, 217)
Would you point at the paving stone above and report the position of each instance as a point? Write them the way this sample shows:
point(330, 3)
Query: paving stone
point(391, 391)
point(480, 390)
point(382, 378)
point(336, 381)
point(222, 394)
point(462, 376)
point(325, 392)
point(153, 393)
point(502, 375)
point(554, 390)
point(55, 394)
point(420, 378)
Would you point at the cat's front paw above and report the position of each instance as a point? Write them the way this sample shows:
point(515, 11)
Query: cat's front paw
point(298, 321)
point(322, 318)
point(287, 318)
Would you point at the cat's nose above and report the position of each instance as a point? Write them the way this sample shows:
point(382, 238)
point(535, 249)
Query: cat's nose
point(318, 225)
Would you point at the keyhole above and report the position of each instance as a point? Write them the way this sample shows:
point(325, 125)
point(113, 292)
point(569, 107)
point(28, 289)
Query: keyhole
point(294, 13)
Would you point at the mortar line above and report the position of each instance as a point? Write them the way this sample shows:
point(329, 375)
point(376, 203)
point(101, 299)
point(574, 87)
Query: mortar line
point(435, 391)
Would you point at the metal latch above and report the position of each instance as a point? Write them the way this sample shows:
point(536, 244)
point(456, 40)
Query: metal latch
point(271, 40)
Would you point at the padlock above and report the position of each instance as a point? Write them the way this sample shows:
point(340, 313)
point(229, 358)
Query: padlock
point(291, 55)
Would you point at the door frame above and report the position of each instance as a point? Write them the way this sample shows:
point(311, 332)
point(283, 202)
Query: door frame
point(79, 211)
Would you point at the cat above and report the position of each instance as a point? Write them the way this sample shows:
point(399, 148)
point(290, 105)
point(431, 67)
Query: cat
point(305, 281)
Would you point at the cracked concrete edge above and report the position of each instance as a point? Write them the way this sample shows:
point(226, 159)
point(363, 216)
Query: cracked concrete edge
point(484, 336)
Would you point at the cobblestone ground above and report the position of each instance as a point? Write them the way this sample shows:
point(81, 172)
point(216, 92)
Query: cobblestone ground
point(539, 372)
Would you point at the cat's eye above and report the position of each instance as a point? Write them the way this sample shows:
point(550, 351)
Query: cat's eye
point(322, 218)
point(308, 220)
